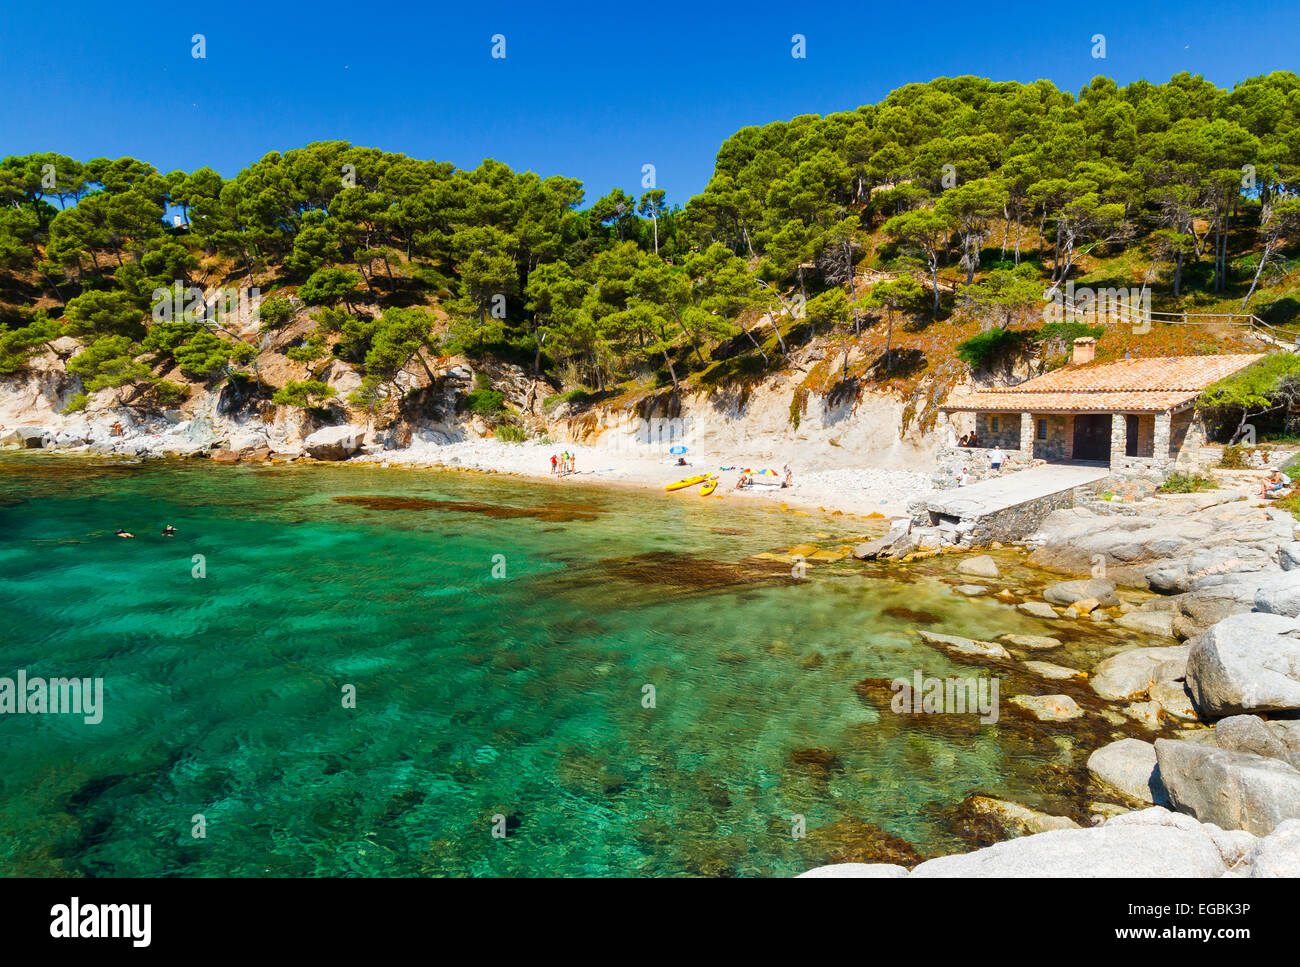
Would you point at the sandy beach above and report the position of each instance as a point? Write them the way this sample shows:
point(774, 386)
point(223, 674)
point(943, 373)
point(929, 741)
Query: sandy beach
point(859, 492)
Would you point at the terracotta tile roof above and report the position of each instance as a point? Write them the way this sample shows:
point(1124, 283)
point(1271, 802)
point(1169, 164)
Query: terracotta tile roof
point(1148, 385)
point(1135, 401)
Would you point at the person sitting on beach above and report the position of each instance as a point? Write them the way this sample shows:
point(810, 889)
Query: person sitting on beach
point(1276, 483)
point(681, 461)
point(742, 482)
point(964, 441)
point(123, 533)
point(996, 458)
point(117, 430)
point(169, 531)
point(974, 439)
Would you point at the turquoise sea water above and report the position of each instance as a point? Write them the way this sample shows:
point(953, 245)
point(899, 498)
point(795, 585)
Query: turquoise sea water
point(477, 696)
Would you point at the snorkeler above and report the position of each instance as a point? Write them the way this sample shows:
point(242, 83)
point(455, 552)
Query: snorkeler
point(169, 531)
point(123, 533)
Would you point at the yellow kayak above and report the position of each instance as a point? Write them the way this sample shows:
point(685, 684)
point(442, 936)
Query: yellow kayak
point(710, 485)
point(688, 482)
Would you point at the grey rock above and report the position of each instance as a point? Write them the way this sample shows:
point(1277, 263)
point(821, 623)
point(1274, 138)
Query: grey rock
point(968, 647)
point(1279, 594)
point(1130, 674)
point(334, 442)
point(1048, 708)
point(1278, 854)
point(1233, 790)
point(853, 871)
point(981, 566)
point(1174, 699)
point(1068, 592)
point(868, 550)
point(1250, 733)
point(1148, 622)
point(1055, 672)
point(1110, 850)
point(1128, 768)
point(1031, 642)
point(1246, 663)
point(1037, 609)
point(1289, 556)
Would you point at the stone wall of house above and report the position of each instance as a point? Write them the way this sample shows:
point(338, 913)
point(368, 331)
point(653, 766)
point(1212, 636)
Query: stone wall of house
point(1059, 444)
point(1007, 434)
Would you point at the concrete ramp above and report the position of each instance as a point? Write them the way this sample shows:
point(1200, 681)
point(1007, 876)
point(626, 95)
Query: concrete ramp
point(1010, 507)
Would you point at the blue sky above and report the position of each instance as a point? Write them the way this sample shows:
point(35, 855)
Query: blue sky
point(592, 91)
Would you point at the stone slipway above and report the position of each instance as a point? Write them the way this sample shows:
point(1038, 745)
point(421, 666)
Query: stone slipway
point(1009, 507)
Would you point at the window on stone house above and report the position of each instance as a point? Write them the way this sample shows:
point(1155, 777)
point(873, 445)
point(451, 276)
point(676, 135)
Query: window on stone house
point(993, 424)
point(1042, 429)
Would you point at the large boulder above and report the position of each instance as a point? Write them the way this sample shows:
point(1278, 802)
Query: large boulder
point(1289, 556)
point(1233, 790)
point(1068, 592)
point(1112, 850)
point(1128, 769)
point(855, 871)
point(1153, 842)
point(1279, 594)
point(334, 442)
point(1246, 663)
point(1130, 674)
point(33, 437)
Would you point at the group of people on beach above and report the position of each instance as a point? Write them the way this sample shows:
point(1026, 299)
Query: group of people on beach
point(168, 531)
point(745, 481)
point(562, 464)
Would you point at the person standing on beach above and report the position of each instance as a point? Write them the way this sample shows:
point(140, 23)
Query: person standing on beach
point(553, 464)
point(572, 458)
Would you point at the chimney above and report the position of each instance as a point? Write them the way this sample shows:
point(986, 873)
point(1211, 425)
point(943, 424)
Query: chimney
point(1085, 349)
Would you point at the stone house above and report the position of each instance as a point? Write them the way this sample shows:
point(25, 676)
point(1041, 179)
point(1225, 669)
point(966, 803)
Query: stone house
point(1131, 414)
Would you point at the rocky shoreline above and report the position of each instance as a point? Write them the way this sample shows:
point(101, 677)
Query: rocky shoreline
point(1219, 793)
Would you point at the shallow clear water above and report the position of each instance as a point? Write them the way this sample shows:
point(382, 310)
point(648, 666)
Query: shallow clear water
point(477, 695)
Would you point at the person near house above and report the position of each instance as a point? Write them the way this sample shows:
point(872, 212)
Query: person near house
point(964, 441)
point(963, 478)
point(974, 439)
point(1276, 483)
point(996, 458)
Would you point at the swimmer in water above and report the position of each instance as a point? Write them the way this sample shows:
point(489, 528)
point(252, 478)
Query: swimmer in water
point(122, 533)
point(169, 531)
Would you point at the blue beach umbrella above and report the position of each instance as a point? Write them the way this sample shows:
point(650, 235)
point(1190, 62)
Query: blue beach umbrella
point(677, 451)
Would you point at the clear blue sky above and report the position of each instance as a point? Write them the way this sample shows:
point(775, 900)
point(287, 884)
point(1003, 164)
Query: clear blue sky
point(593, 92)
